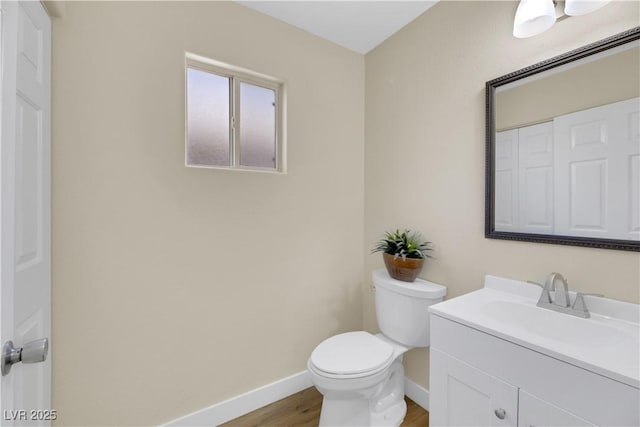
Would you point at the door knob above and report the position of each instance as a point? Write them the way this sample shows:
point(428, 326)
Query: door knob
point(500, 413)
point(32, 352)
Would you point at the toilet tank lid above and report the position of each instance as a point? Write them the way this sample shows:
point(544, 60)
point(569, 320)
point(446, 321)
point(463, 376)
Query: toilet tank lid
point(418, 289)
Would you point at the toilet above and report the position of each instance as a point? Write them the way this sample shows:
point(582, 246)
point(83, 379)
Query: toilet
point(360, 375)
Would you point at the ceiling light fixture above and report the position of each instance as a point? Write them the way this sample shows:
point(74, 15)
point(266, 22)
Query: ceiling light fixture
point(533, 17)
point(582, 7)
point(537, 16)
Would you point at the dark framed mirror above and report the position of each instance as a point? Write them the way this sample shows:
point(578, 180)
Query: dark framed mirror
point(563, 148)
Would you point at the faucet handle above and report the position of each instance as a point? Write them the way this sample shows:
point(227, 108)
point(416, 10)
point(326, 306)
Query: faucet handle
point(545, 297)
point(580, 305)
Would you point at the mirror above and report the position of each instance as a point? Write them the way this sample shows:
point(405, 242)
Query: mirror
point(563, 148)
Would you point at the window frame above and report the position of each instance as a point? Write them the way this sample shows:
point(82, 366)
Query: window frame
point(237, 76)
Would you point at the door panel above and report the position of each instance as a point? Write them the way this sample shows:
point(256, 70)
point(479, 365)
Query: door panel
point(29, 208)
point(506, 176)
point(25, 212)
point(596, 184)
point(465, 396)
point(524, 179)
point(535, 168)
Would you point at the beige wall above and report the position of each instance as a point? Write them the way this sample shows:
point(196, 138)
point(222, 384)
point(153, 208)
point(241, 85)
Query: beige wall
point(424, 150)
point(176, 288)
point(610, 79)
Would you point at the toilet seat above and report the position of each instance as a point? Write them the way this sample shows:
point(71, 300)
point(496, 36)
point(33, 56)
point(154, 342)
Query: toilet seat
point(351, 355)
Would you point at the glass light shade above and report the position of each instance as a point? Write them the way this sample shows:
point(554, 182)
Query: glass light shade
point(582, 7)
point(533, 17)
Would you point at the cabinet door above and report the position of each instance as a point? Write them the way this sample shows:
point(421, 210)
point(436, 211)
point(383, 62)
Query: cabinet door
point(465, 396)
point(534, 412)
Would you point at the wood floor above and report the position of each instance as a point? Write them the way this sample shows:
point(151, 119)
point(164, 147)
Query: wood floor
point(303, 410)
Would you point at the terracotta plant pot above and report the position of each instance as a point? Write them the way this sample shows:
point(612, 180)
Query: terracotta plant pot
point(406, 269)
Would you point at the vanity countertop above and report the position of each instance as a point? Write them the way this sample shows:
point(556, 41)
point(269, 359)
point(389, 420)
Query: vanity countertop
point(608, 343)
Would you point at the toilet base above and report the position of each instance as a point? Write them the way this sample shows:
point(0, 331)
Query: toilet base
point(384, 406)
point(341, 412)
point(393, 416)
point(350, 413)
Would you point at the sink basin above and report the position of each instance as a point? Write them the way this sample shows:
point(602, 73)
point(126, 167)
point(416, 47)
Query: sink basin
point(608, 343)
point(571, 330)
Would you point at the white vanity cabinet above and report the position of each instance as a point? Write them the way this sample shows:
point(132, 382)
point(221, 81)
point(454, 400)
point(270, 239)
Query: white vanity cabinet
point(478, 379)
point(533, 411)
point(465, 396)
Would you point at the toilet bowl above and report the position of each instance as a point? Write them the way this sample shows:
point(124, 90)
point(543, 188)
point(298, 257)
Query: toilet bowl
point(358, 394)
point(360, 375)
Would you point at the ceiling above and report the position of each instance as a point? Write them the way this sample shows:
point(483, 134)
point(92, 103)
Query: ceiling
point(357, 25)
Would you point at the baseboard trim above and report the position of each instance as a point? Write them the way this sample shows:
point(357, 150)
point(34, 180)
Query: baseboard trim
point(417, 393)
point(242, 404)
point(237, 406)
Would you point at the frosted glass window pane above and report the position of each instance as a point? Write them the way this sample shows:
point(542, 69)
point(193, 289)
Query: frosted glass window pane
point(208, 119)
point(257, 126)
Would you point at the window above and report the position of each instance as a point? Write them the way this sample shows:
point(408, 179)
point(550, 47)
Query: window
point(234, 117)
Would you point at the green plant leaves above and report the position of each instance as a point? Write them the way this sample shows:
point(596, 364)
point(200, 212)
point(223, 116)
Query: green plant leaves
point(405, 244)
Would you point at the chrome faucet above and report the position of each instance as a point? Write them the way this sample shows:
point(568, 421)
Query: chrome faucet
point(561, 300)
point(561, 296)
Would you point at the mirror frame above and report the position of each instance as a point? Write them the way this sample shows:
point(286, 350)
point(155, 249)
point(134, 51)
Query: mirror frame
point(490, 88)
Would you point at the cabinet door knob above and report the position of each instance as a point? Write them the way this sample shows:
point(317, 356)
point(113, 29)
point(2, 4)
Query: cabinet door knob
point(500, 413)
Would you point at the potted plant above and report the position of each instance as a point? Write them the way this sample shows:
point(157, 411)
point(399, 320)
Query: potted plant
point(404, 253)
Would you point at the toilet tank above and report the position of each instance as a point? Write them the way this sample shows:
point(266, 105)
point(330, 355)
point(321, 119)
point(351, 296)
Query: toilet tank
point(402, 308)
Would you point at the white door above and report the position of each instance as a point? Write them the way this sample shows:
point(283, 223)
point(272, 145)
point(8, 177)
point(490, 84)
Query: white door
point(25, 251)
point(596, 164)
point(506, 177)
point(535, 178)
point(462, 395)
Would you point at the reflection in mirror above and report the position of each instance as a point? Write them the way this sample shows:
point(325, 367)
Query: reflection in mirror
point(563, 148)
